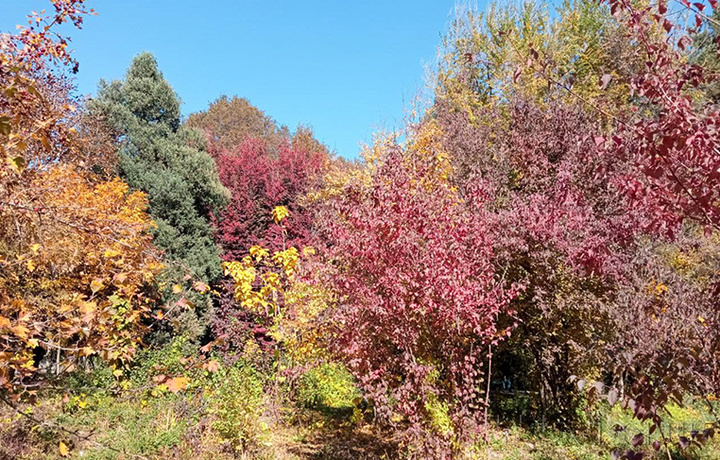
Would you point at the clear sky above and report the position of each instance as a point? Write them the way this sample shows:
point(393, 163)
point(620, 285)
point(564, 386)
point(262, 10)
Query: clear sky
point(345, 67)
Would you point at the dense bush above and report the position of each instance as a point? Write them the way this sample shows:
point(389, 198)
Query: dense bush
point(235, 400)
point(417, 295)
point(327, 386)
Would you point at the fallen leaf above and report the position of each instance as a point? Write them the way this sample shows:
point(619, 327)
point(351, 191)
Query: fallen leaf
point(63, 448)
point(177, 384)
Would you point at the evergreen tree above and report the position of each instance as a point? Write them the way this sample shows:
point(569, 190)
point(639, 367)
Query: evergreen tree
point(169, 162)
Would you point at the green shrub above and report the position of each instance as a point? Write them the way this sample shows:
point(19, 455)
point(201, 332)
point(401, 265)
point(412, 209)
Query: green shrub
point(96, 374)
point(235, 401)
point(328, 386)
point(166, 360)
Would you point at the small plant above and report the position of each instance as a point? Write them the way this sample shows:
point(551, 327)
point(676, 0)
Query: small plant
point(235, 400)
point(328, 386)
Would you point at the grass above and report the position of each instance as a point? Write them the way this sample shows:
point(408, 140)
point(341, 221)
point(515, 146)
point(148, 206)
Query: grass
point(319, 418)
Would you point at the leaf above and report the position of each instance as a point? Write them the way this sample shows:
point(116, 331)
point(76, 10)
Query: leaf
point(638, 440)
point(683, 442)
point(656, 445)
point(176, 289)
point(201, 287)
point(516, 74)
point(17, 163)
point(96, 285)
point(20, 331)
point(279, 213)
point(5, 127)
point(63, 449)
point(605, 81)
point(213, 366)
point(612, 397)
point(183, 303)
point(177, 384)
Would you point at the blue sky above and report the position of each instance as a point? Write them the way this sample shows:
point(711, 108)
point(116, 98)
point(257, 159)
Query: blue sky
point(345, 67)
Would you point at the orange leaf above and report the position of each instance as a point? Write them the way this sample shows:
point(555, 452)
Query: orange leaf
point(177, 384)
point(212, 366)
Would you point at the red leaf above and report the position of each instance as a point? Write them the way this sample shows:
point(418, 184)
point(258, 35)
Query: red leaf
point(516, 74)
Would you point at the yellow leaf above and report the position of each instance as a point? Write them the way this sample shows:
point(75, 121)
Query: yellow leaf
point(96, 285)
point(4, 322)
point(258, 252)
point(177, 289)
point(111, 253)
point(87, 307)
point(279, 213)
point(31, 265)
point(35, 248)
point(63, 448)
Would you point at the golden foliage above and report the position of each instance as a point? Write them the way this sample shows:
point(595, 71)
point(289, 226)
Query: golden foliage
point(76, 265)
point(275, 288)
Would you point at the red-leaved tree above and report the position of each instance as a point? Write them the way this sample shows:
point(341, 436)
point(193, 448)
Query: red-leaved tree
point(259, 182)
point(676, 143)
point(419, 297)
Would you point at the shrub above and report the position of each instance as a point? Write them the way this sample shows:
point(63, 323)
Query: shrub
point(235, 400)
point(328, 386)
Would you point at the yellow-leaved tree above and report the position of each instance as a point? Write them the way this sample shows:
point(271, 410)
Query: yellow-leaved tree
point(278, 290)
point(76, 260)
point(77, 273)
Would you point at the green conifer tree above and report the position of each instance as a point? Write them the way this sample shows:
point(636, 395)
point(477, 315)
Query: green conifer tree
point(168, 162)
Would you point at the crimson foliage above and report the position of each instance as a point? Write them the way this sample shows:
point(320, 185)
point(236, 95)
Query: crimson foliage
point(419, 297)
point(559, 230)
point(677, 146)
point(259, 182)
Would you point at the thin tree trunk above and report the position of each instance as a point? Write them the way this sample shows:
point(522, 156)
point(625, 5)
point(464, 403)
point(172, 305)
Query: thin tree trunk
point(489, 377)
